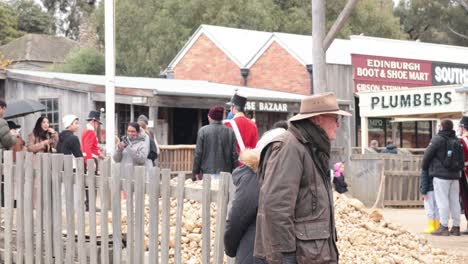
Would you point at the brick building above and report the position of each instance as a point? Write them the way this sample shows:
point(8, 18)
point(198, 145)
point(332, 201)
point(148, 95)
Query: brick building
point(276, 61)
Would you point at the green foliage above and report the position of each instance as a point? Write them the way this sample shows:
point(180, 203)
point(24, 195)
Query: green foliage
point(32, 19)
point(8, 24)
point(82, 61)
point(437, 21)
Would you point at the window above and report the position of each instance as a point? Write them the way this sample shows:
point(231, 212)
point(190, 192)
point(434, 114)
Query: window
point(51, 112)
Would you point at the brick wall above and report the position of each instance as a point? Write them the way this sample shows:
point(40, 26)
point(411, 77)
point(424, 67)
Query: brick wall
point(279, 70)
point(205, 61)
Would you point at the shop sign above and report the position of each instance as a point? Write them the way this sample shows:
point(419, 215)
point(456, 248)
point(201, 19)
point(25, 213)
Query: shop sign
point(411, 102)
point(449, 73)
point(376, 73)
point(266, 106)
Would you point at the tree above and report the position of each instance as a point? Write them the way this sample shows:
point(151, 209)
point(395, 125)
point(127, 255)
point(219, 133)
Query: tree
point(32, 19)
point(82, 61)
point(150, 33)
point(437, 21)
point(9, 24)
point(69, 14)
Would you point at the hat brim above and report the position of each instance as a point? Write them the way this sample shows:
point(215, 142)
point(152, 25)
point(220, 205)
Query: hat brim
point(305, 116)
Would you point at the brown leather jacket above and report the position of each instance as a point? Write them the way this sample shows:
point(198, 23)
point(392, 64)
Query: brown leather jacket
point(295, 211)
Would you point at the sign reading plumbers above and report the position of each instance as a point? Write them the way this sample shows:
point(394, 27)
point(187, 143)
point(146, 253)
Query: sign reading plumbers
point(412, 101)
point(449, 73)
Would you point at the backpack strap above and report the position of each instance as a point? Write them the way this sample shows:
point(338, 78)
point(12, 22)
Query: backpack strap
point(237, 133)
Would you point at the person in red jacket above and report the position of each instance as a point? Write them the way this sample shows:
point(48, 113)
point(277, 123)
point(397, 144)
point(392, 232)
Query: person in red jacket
point(245, 129)
point(89, 141)
point(463, 130)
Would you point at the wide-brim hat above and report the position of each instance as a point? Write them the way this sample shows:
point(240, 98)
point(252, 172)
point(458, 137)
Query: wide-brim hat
point(237, 100)
point(319, 104)
point(94, 115)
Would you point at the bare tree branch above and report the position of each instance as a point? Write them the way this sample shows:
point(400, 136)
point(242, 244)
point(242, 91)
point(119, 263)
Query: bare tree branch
point(464, 4)
point(339, 23)
point(457, 33)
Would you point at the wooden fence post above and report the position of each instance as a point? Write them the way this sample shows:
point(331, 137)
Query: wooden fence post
point(91, 176)
point(39, 210)
point(69, 208)
point(128, 176)
point(80, 212)
point(140, 176)
point(165, 193)
point(8, 188)
point(206, 219)
point(116, 214)
point(223, 198)
point(28, 208)
point(105, 174)
point(57, 167)
point(154, 193)
point(48, 207)
point(19, 181)
point(179, 214)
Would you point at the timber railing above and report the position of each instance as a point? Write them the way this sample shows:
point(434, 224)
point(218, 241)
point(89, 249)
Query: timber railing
point(400, 174)
point(49, 223)
point(177, 157)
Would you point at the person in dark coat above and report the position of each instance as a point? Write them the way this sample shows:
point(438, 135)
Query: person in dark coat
point(216, 147)
point(239, 235)
point(68, 143)
point(390, 148)
point(446, 185)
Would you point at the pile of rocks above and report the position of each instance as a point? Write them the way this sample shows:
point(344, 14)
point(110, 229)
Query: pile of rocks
point(363, 235)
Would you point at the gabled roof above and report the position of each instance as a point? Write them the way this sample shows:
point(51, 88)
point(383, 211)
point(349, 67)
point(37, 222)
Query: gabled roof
point(244, 46)
point(240, 45)
point(169, 87)
point(300, 47)
point(408, 49)
point(38, 47)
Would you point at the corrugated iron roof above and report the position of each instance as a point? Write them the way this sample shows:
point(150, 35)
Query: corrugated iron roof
point(408, 49)
point(38, 47)
point(172, 87)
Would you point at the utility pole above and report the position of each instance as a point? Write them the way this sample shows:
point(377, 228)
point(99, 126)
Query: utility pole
point(109, 29)
point(320, 43)
point(319, 73)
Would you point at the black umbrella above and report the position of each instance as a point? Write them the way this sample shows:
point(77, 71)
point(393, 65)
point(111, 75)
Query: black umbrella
point(17, 108)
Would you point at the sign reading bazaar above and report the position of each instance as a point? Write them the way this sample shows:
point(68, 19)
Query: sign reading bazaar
point(376, 73)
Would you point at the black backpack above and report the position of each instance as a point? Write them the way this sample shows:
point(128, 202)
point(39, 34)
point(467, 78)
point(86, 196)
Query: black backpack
point(153, 151)
point(454, 156)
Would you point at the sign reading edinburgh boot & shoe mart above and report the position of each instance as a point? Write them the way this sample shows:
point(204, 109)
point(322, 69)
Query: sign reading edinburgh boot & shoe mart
point(377, 73)
point(415, 101)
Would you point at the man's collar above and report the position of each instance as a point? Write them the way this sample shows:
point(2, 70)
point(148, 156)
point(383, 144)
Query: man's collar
point(239, 114)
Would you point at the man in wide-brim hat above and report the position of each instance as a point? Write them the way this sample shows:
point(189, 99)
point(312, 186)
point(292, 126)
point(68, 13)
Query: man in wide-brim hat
point(295, 220)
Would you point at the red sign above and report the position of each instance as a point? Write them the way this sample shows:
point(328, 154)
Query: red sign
point(375, 73)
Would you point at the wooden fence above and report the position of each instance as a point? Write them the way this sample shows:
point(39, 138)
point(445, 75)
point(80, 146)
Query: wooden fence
point(48, 225)
point(401, 175)
point(177, 157)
